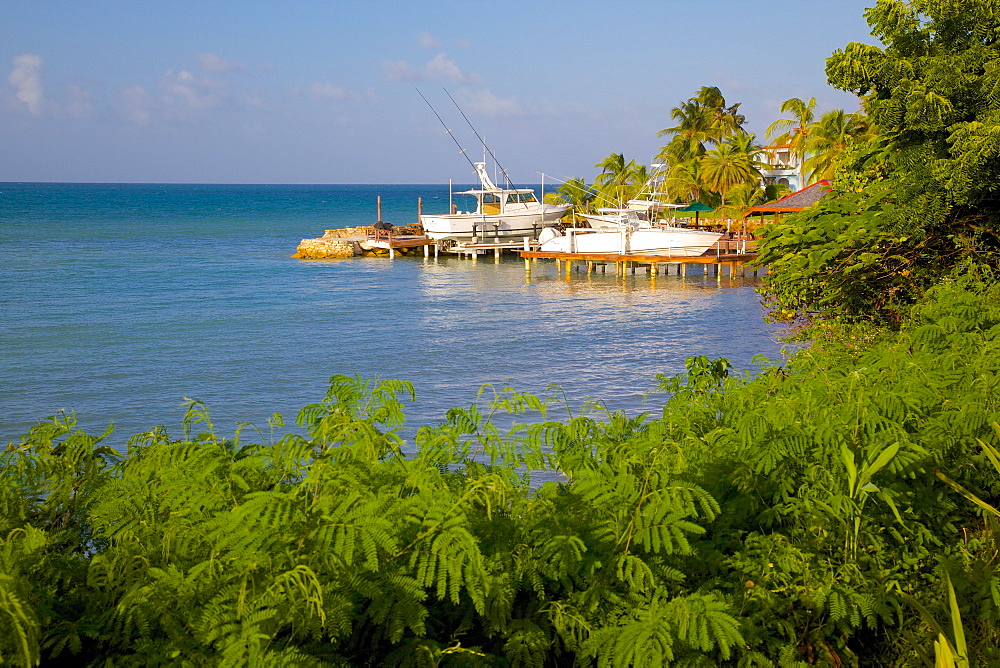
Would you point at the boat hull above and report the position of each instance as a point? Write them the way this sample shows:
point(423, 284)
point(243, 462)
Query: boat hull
point(462, 226)
point(673, 242)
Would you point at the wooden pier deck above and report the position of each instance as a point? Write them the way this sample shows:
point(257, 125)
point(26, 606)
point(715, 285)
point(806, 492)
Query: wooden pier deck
point(386, 240)
point(652, 263)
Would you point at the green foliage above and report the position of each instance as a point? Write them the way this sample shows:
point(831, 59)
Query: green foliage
point(922, 198)
point(788, 518)
point(843, 258)
point(697, 172)
point(618, 181)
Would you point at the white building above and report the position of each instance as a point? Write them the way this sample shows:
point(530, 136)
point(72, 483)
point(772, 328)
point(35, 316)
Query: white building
point(784, 168)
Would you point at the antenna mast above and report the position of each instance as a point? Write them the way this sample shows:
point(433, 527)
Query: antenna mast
point(448, 131)
point(481, 140)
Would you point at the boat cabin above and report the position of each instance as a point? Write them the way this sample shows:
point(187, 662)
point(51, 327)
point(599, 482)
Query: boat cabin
point(492, 200)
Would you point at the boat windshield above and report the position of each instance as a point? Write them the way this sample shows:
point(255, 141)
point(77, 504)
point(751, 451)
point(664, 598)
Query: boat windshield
point(521, 197)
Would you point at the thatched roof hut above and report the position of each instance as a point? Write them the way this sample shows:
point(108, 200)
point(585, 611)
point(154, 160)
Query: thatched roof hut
point(792, 203)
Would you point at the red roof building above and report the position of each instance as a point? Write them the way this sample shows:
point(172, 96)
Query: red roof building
point(792, 203)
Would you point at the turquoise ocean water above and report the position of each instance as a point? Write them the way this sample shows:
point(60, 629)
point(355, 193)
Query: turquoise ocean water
point(117, 301)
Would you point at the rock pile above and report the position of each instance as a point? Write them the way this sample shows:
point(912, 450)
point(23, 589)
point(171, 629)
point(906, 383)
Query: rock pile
point(343, 242)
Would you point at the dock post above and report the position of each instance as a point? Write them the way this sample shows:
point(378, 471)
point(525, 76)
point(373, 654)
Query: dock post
point(590, 266)
point(527, 266)
point(437, 249)
point(427, 251)
point(527, 243)
point(683, 269)
point(496, 254)
point(420, 208)
point(392, 253)
point(379, 205)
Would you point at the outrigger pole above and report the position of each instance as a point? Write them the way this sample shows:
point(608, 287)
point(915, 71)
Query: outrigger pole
point(481, 140)
point(448, 131)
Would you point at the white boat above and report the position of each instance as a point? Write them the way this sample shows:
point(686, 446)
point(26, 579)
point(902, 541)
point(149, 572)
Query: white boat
point(635, 238)
point(499, 213)
point(648, 205)
point(632, 229)
point(610, 219)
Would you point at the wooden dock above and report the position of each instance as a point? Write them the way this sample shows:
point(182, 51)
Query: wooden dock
point(622, 263)
point(734, 253)
point(385, 239)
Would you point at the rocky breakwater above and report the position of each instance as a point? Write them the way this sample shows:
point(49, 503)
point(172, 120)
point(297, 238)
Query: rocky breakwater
point(344, 242)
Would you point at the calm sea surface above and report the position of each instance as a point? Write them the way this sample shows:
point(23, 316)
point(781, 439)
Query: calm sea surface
point(117, 301)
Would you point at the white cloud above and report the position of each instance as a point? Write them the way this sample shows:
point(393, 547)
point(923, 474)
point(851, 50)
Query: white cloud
point(328, 91)
point(485, 103)
point(194, 92)
point(428, 41)
point(139, 105)
point(79, 105)
point(439, 67)
point(212, 63)
point(26, 78)
point(180, 95)
point(444, 67)
point(400, 70)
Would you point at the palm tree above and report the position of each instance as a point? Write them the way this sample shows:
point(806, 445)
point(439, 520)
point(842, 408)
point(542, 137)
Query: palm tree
point(731, 163)
point(740, 198)
point(706, 119)
point(618, 179)
point(726, 119)
point(576, 192)
point(746, 143)
point(692, 132)
point(829, 138)
point(794, 132)
point(685, 179)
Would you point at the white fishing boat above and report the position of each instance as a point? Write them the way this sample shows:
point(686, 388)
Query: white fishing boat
point(630, 239)
point(498, 213)
point(611, 219)
point(646, 207)
point(633, 229)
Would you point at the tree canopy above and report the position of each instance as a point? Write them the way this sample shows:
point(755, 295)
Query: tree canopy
point(920, 198)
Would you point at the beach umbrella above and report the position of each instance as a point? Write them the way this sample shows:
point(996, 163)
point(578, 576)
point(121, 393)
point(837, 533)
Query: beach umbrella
point(697, 207)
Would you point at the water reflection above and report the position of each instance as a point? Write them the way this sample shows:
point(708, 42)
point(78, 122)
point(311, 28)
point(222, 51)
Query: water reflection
point(596, 334)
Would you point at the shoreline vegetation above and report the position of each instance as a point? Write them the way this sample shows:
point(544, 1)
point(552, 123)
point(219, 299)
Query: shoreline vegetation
point(838, 509)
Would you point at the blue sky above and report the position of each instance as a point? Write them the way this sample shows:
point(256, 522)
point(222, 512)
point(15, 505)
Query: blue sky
point(221, 91)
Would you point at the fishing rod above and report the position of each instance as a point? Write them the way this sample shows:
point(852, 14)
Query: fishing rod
point(448, 131)
point(585, 190)
point(481, 140)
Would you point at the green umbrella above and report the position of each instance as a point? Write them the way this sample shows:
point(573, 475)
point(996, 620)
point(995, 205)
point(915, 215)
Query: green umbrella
point(697, 207)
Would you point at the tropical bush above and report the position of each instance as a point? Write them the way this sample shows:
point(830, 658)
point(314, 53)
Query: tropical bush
point(921, 198)
point(790, 518)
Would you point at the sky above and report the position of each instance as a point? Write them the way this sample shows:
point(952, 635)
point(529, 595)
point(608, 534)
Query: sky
point(225, 91)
